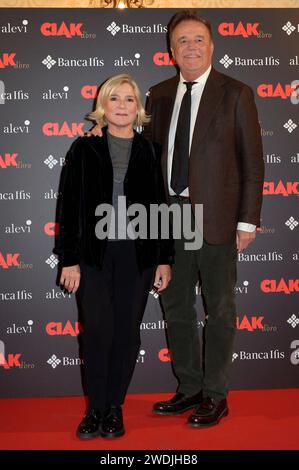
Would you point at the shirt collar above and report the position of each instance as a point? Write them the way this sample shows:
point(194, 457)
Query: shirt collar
point(201, 79)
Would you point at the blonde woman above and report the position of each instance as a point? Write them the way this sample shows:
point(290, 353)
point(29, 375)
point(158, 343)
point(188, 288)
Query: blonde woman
point(113, 274)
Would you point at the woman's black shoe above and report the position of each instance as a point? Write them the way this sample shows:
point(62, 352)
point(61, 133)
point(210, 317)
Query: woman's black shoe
point(112, 424)
point(90, 425)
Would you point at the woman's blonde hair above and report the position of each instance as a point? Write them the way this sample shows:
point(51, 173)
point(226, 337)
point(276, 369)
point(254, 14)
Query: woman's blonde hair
point(107, 89)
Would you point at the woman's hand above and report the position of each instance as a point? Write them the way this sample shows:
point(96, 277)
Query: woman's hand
point(162, 277)
point(70, 278)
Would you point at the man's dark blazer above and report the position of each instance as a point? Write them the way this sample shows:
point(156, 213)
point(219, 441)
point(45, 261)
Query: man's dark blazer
point(226, 166)
point(87, 181)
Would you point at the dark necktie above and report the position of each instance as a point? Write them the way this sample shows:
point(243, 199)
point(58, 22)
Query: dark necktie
point(180, 161)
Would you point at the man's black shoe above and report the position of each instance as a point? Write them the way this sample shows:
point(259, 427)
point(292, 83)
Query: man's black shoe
point(90, 425)
point(208, 413)
point(112, 424)
point(178, 404)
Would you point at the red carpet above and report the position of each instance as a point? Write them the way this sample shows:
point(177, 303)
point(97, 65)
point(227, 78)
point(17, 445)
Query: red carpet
point(263, 419)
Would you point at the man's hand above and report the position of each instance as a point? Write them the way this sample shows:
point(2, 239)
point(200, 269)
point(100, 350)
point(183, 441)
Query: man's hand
point(243, 239)
point(70, 278)
point(96, 131)
point(162, 277)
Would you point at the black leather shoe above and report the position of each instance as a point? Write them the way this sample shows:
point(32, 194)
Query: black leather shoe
point(112, 424)
point(208, 413)
point(90, 425)
point(178, 404)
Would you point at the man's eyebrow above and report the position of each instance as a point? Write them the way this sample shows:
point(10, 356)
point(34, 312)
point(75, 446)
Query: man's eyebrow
point(197, 36)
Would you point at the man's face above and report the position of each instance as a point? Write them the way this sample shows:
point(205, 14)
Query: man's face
point(192, 48)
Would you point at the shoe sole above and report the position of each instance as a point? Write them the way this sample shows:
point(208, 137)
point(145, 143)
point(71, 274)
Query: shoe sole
point(112, 435)
point(91, 435)
point(207, 425)
point(173, 413)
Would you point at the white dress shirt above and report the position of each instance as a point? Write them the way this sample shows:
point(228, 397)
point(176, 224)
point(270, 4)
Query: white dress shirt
point(196, 93)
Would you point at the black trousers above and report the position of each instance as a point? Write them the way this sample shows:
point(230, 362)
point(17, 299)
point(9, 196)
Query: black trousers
point(215, 267)
point(113, 300)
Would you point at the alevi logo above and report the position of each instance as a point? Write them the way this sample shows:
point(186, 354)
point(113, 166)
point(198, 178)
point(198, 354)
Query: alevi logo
point(281, 189)
point(141, 356)
point(51, 129)
point(55, 29)
point(163, 58)
point(11, 29)
point(58, 328)
point(12, 129)
point(50, 95)
point(240, 29)
point(13, 229)
point(282, 286)
point(7, 60)
point(295, 354)
point(243, 289)
point(128, 62)
point(19, 330)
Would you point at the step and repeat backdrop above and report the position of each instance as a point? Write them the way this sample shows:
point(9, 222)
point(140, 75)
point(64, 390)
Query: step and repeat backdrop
point(51, 64)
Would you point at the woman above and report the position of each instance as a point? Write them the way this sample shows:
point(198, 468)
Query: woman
point(114, 276)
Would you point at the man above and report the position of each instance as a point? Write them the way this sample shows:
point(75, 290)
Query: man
point(223, 170)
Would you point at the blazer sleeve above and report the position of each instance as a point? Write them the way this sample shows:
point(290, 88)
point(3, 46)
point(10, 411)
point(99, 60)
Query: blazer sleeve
point(250, 151)
point(165, 246)
point(67, 245)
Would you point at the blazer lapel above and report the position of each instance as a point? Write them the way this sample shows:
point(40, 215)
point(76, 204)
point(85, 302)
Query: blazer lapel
point(170, 94)
point(168, 106)
point(210, 100)
point(100, 146)
point(136, 144)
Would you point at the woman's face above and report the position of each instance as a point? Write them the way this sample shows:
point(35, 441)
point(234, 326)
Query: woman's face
point(121, 107)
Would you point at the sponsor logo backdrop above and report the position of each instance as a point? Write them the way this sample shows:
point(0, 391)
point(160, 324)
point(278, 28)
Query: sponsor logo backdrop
point(51, 63)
